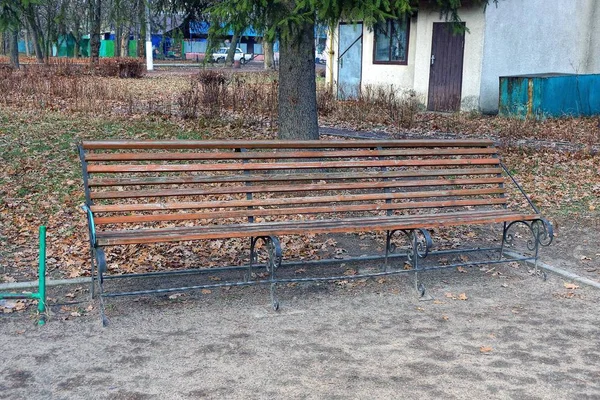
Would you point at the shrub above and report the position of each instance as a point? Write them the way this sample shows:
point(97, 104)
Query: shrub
point(120, 68)
point(189, 101)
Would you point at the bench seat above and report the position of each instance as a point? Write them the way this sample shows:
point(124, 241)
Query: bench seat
point(362, 224)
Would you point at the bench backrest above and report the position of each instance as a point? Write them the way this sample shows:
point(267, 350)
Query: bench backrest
point(135, 184)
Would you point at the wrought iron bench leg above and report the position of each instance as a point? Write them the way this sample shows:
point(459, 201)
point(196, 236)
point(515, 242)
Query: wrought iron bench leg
point(253, 259)
point(503, 242)
point(275, 255)
point(274, 262)
point(420, 244)
point(93, 273)
point(542, 234)
point(389, 249)
point(100, 259)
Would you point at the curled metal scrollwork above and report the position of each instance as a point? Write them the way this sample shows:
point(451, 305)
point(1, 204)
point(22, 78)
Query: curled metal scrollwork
point(541, 232)
point(509, 236)
point(420, 242)
point(274, 252)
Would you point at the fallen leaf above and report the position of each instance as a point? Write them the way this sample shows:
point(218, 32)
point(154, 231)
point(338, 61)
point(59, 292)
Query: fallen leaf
point(461, 269)
point(206, 291)
point(571, 286)
point(449, 295)
point(462, 296)
point(445, 317)
point(485, 349)
point(70, 295)
point(436, 301)
point(175, 295)
point(75, 314)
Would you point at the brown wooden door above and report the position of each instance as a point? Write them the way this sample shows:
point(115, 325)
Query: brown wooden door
point(446, 64)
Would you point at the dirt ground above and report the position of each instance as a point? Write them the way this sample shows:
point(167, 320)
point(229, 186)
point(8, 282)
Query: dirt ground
point(515, 336)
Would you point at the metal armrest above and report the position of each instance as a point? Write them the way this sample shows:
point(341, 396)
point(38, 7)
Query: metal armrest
point(91, 224)
point(537, 211)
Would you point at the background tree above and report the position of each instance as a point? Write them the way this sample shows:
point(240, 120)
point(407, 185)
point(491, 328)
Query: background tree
point(10, 20)
point(31, 11)
point(232, 46)
point(95, 14)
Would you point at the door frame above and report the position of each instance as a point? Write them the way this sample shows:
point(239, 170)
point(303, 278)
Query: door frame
point(461, 71)
point(340, 55)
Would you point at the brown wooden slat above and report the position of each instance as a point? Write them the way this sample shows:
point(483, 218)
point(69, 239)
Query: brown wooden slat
point(346, 222)
point(293, 200)
point(123, 168)
point(276, 144)
point(292, 188)
point(285, 154)
point(297, 211)
point(265, 229)
point(102, 182)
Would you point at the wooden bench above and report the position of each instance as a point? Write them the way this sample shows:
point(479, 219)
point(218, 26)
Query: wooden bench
point(141, 192)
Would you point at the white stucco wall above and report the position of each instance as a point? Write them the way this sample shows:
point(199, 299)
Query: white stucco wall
point(415, 75)
point(538, 36)
point(398, 77)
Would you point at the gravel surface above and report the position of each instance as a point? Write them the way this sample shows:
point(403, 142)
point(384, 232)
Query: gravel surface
point(515, 336)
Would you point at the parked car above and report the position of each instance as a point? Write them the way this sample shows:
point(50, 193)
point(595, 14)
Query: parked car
point(320, 57)
point(220, 55)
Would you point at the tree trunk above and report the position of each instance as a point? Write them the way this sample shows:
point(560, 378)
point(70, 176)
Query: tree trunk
point(124, 43)
point(232, 47)
point(2, 43)
point(14, 48)
point(297, 86)
point(36, 33)
point(27, 53)
point(117, 41)
point(96, 26)
point(268, 54)
point(142, 25)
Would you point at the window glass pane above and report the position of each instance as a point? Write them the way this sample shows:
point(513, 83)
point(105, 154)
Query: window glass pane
point(399, 41)
point(382, 42)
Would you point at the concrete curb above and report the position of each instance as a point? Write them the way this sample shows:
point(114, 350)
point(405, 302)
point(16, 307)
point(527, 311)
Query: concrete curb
point(559, 271)
point(78, 281)
point(49, 282)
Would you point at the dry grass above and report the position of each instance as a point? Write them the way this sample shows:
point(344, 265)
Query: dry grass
point(250, 99)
